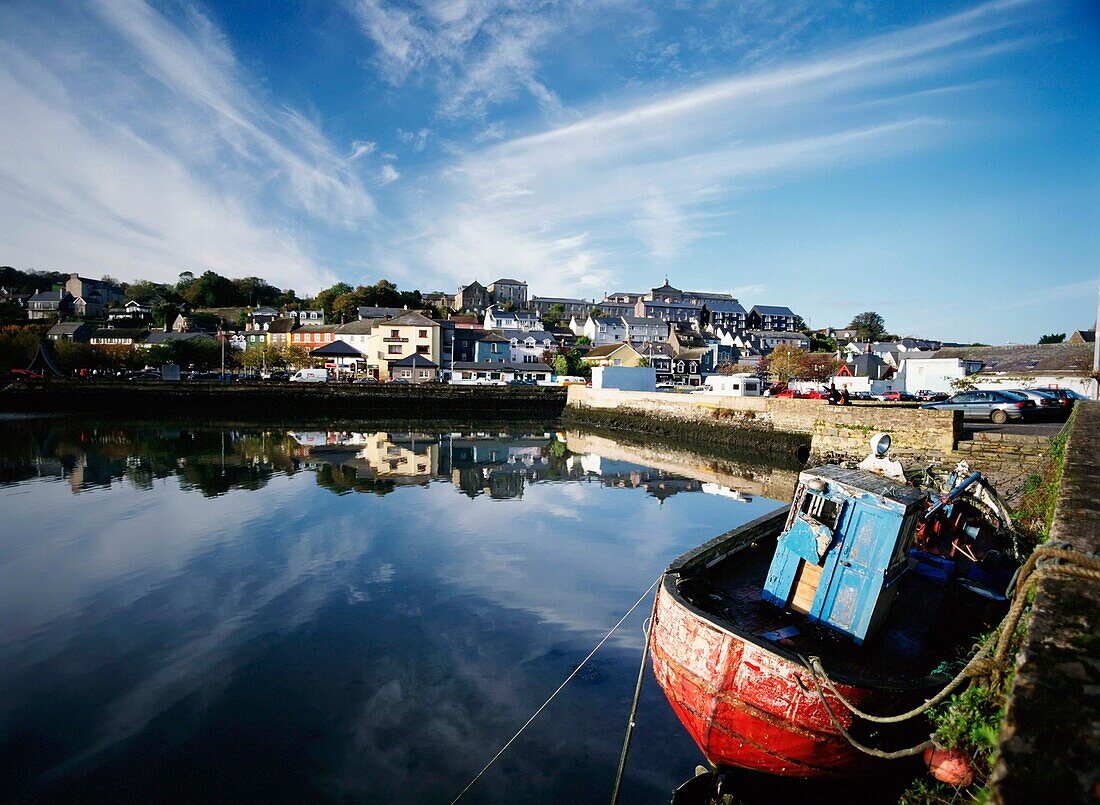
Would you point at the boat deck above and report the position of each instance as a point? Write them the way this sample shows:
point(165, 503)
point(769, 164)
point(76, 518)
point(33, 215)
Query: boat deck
point(928, 624)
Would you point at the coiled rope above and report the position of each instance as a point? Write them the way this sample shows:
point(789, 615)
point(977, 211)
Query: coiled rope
point(559, 689)
point(1052, 559)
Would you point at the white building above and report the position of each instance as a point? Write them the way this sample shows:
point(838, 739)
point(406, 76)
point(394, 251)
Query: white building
point(498, 319)
point(529, 347)
point(602, 330)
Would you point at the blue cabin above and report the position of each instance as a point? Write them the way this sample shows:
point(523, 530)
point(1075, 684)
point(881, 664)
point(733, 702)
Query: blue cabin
point(844, 548)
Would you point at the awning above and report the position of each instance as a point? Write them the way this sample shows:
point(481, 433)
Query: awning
point(337, 349)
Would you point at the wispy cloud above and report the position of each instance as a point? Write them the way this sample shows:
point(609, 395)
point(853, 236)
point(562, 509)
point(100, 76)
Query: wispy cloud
point(479, 54)
point(587, 203)
point(152, 154)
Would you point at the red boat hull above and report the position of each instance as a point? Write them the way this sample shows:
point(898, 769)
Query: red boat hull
point(747, 706)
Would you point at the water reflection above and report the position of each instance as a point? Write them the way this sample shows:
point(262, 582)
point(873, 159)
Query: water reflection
point(217, 614)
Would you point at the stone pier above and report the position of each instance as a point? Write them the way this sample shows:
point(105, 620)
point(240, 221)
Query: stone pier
point(1050, 746)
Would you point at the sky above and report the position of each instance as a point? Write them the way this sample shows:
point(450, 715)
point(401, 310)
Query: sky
point(938, 163)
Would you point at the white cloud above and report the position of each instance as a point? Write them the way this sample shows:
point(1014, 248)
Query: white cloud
point(633, 187)
point(135, 147)
point(478, 54)
point(388, 174)
point(361, 148)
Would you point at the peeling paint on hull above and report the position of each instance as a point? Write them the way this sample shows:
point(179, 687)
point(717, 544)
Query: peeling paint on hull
point(747, 706)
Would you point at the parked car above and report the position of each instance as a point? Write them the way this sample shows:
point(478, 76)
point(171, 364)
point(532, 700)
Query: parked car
point(1046, 404)
point(145, 376)
point(1067, 398)
point(927, 395)
point(367, 381)
point(895, 396)
point(996, 406)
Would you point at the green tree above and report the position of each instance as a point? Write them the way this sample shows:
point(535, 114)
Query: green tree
point(555, 315)
point(870, 326)
point(211, 290)
point(328, 296)
point(800, 324)
point(1053, 338)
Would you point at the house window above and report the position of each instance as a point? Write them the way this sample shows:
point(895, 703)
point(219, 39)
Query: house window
point(423, 333)
point(394, 349)
point(395, 333)
point(425, 373)
point(423, 349)
point(617, 362)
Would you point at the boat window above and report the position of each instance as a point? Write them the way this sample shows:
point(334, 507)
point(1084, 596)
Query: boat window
point(821, 509)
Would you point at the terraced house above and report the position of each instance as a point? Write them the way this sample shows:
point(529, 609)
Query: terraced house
point(395, 339)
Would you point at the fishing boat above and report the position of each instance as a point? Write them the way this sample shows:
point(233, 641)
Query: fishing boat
point(884, 583)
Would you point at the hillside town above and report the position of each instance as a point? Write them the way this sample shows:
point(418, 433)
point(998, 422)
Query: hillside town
point(495, 334)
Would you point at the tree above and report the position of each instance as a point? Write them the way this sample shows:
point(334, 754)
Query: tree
point(821, 343)
point(762, 368)
point(555, 315)
point(643, 362)
point(800, 324)
point(1053, 338)
point(211, 290)
point(326, 298)
point(785, 361)
point(560, 365)
point(818, 366)
point(870, 326)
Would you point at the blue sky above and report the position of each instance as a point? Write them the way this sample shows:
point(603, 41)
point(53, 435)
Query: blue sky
point(937, 163)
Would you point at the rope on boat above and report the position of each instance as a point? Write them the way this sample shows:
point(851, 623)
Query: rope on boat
point(634, 704)
point(978, 666)
point(559, 689)
point(1052, 559)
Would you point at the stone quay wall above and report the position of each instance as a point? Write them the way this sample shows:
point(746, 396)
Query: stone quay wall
point(284, 401)
point(768, 424)
point(1050, 744)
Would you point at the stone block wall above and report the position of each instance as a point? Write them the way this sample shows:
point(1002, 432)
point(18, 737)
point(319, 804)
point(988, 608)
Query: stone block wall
point(1050, 745)
point(834, 432)
point(1006, 459)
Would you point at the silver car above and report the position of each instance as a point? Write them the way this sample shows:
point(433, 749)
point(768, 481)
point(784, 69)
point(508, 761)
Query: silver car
point(1046, 404)
point(996, 406)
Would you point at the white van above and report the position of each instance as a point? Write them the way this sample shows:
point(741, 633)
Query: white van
point(310, 376)
point(739, 385)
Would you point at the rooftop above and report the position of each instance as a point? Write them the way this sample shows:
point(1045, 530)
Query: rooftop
point(772, 310)
point(1026, 358)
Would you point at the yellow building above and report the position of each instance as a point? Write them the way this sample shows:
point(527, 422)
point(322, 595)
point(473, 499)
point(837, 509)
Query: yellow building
point(613, 355)
point(393, 339)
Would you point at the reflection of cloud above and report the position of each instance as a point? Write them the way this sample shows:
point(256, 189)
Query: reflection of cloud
point(446, 616)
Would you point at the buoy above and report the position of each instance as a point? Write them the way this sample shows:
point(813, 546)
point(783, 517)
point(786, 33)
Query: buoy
point(951, 766)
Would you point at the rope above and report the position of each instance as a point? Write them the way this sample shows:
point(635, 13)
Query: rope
point(867, 750)
point(978, 666)
point(1039, 564)
point(633, 706)
point(560, 687)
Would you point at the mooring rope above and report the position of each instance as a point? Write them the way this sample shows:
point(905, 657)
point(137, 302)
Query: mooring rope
point(559, 689)
point(1040, 563)
point(634, 704)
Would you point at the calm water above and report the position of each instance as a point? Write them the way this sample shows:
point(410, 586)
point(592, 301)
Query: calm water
point(357, 616)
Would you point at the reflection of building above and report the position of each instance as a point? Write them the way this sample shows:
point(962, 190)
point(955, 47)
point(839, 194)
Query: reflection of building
point(402, 455)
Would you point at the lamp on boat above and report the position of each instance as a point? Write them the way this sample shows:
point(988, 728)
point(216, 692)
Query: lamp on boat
point(878, 463)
